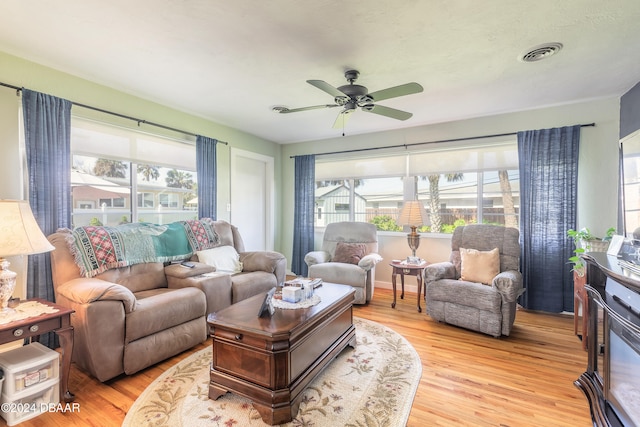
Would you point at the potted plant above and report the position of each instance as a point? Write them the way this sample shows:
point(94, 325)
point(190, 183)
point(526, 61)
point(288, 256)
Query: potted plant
point(578, 264)
point(584, 241)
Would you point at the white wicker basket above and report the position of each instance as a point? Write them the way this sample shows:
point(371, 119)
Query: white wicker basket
point(595, 245)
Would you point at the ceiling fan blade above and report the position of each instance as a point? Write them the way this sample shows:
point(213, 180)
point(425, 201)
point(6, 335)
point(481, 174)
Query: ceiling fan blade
point(284, 110)
point(342, 119)
point(388, 112)
point(324, 86)
point(393, 92)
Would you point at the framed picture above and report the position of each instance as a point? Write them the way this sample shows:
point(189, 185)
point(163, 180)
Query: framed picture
point(267, 308)
point(629, 251)
point(615, 245)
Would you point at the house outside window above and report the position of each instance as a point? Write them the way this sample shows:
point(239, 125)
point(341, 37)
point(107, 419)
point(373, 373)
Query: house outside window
point(457, 184)
point(121, 175)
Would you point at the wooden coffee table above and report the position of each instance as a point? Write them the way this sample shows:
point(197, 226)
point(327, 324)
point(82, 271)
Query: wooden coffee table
point(271, 360)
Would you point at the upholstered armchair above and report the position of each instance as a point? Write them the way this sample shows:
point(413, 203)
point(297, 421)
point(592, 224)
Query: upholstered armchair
point(478, 287)
point(348, 256)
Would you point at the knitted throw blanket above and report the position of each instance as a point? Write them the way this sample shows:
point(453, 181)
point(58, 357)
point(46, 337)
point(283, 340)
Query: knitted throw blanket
point(99, 248)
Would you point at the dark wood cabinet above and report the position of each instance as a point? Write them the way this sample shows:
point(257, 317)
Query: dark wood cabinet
point(611, 382)
point(271, 360)
point(596, 279)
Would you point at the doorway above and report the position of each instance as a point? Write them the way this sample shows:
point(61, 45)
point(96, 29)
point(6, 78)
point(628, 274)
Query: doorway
point(252, 189)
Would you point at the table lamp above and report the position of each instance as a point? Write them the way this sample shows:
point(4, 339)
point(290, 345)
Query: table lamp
point(19, 235)
point(414, 215)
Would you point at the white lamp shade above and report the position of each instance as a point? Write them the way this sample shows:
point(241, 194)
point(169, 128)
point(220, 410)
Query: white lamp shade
point(413, 214)
point(19, 231)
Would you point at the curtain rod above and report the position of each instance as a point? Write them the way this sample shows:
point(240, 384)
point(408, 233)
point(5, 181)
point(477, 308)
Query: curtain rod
point(19, 89)
point(469, 138)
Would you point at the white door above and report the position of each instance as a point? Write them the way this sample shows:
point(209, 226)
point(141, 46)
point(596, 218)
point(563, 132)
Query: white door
point(252, 190)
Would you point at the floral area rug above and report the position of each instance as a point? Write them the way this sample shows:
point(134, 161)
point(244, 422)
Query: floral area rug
point(371, 385)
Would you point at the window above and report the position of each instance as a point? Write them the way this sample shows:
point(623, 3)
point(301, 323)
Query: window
point(169, 200)
point(631, 182)
point(121, 175)
point(116, 202)
point(83, 204)
point(458, 184)
point(501, 198)
point(145, 200)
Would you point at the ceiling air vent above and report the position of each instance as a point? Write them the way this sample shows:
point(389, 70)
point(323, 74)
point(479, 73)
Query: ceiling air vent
point(541, 52)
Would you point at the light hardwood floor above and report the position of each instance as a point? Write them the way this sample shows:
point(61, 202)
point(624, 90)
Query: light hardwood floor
point(468, 379)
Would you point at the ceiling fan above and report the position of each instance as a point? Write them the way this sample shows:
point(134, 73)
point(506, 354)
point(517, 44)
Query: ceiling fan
point(352, 96)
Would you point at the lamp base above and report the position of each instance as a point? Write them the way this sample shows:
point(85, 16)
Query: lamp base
point(413, 239)
point(7, 285)
point(5, 311)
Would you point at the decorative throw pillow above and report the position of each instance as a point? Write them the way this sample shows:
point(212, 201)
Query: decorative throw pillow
point(224, 258)
point(479, 266)
point(349, 253)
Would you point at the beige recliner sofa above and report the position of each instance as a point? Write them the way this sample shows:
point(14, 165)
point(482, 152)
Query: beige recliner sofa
point(261, 271)
point(129, 318)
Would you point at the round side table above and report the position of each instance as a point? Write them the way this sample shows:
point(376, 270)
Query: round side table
point(405, 269)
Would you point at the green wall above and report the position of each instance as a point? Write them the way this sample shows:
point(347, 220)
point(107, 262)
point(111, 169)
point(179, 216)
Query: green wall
point(22, 73)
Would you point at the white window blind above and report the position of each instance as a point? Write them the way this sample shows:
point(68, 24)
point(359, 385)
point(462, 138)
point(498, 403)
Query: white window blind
point(378, 167)
point(495, 154)
point(102, 140)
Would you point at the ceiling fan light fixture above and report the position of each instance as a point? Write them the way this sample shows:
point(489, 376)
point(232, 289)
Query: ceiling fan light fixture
point(341, 100)
point(540, 52)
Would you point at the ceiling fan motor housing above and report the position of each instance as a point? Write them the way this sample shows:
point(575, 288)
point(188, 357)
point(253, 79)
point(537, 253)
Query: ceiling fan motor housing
point(354, 92)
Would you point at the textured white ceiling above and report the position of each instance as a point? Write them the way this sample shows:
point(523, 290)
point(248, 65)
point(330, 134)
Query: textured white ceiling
point(231, 61)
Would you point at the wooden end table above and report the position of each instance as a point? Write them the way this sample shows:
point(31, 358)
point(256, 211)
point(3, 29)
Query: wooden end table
point(405, 269)
point(32, 327)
